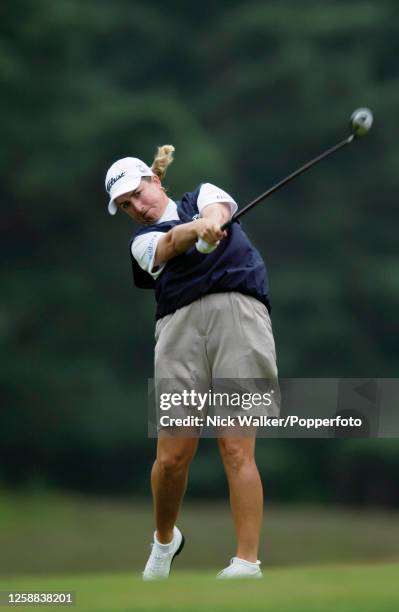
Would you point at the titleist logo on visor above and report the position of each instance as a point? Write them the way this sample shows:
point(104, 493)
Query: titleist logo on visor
point(114, 179)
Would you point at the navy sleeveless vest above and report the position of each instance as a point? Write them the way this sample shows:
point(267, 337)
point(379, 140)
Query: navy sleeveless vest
point(235, 265)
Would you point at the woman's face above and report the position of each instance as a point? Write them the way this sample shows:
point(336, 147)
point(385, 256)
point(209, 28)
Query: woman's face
point(147, 203)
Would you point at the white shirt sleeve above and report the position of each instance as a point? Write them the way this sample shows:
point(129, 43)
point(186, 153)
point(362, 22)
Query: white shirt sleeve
point(143, 250)
point(210, 194)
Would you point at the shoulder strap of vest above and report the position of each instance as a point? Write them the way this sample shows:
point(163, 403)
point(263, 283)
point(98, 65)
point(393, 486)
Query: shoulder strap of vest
point(141, 279)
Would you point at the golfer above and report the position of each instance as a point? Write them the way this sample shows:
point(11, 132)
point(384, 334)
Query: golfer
point(212, 321)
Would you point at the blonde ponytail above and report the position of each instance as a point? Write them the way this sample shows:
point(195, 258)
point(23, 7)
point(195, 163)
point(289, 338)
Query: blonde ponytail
point(162, 159)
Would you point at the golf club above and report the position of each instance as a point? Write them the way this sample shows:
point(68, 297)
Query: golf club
point(360, 124)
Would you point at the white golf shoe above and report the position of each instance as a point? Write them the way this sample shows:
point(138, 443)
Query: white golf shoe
point(162, 555)
point(239, 568)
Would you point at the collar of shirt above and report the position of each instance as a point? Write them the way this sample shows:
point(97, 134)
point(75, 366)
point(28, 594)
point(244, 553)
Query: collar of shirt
point(170, 213)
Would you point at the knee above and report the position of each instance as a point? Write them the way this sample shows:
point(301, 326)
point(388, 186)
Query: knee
point(234, 457)
point(171, 463)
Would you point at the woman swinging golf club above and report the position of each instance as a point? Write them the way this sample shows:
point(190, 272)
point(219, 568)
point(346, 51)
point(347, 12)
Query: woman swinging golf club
point(212, 322)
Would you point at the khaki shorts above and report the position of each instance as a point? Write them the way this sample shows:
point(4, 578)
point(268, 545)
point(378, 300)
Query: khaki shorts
point(222, 337)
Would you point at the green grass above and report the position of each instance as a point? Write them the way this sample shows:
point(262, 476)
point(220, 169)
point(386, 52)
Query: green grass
point(314, 559)
point(58, 534)
point(367, 588)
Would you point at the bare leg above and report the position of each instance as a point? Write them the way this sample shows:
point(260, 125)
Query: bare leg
point(246, 493)
point(169, 481)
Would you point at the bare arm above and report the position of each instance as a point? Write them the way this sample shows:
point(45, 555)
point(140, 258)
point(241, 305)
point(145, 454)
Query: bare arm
point(182, 237)
point(220, 213)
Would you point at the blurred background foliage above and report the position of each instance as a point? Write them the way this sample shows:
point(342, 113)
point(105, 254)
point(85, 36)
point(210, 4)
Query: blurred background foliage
point(246, 91)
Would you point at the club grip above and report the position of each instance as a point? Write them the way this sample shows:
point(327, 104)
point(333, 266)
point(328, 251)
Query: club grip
point(228, 224)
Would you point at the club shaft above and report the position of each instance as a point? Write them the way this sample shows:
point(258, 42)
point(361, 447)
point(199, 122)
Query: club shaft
point(289, 178)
